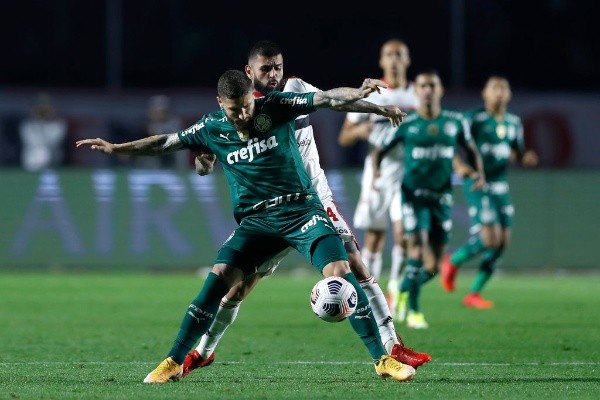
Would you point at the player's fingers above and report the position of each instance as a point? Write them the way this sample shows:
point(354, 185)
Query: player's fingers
point(379, 83)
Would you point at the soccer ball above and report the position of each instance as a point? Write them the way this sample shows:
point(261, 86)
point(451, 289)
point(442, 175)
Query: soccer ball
point(333, 299)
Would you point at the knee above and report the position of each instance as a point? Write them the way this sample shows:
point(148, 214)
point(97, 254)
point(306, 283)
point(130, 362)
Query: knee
point(491, 243)
point(336, 268)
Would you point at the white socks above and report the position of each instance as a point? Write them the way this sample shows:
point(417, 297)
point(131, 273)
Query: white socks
point(381, 313)
point(228, 311)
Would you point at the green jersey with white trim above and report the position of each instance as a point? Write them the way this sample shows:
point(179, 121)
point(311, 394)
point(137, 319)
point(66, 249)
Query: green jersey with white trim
point(495, 140)
point(429, 147)
point(265, 169)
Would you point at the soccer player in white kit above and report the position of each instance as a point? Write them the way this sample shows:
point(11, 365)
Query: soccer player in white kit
point(380, 201)
point(265, 67)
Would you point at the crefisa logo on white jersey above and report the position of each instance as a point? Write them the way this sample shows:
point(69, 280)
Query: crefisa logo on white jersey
point(262, 123)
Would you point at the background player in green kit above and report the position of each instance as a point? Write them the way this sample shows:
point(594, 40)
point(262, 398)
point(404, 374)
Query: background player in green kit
point(430, 136)
point(273, 199)
point(499, 138)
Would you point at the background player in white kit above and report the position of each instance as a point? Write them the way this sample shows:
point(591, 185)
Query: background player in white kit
point(265, 68)
point(379, 203)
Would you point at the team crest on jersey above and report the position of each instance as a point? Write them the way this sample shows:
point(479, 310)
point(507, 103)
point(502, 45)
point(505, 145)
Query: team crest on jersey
point(433, 129)
point(501, 131)
point(450, 129)
point(262, 123)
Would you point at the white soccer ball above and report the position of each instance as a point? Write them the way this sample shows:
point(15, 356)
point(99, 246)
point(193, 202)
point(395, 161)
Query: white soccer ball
point(333, 299)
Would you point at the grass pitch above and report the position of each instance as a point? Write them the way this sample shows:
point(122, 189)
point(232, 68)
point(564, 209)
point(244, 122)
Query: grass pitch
point(68, 336)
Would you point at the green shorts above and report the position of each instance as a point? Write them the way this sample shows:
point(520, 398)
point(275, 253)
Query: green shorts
point(490, 206)
point(259, 239)
point(432, 214)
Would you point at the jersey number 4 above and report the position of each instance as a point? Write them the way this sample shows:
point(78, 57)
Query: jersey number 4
point(333, 216)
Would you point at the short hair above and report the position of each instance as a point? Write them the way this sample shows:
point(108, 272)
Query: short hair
point(234, 84)
point(429, 71)
point(265, 48)
point(496, 76)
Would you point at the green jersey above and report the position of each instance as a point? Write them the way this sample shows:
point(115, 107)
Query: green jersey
point(495, 140)
point(429, 147)
point(265, 169)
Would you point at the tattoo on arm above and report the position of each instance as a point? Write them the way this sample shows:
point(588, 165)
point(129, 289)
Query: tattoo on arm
point(358, 106)
point(335, 97)
point(152, 145)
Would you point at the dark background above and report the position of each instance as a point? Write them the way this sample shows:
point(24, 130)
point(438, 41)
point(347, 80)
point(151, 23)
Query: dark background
point(128, 44)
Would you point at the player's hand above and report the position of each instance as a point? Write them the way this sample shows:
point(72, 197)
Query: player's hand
point(371, 85)
point(530, 159)
point(204, 162)
point(479, 180)
point(97, 144)
point(394, 114)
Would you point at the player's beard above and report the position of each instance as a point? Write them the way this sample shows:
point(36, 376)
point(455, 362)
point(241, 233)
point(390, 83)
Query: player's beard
point(264, 89)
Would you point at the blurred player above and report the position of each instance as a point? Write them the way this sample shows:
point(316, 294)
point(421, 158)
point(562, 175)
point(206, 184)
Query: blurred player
point(265, 68)
point(379, 202)
point(499, 138)
point(430, 137)
point(273, 199)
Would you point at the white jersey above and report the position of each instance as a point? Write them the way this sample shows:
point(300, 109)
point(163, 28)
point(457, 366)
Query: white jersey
point(376, 207)
point(406, 99)
point(310, 158)
point(306, 142)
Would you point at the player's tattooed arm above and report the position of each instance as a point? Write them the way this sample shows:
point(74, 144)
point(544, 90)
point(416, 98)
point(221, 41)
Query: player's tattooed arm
point(148, 146)
point(343, 95)
point(393, 113)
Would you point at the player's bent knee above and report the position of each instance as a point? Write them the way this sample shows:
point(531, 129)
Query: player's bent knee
point(329, 250)
point(336, 268)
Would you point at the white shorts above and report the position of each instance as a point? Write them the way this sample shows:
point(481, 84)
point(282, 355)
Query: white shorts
point(377, 205)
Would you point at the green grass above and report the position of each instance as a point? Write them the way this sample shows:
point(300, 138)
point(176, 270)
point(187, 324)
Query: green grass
point(66, 336)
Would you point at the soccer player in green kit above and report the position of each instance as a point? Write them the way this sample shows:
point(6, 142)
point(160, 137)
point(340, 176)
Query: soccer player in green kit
point(499, 138)
point(273, 199)
point(430, 136)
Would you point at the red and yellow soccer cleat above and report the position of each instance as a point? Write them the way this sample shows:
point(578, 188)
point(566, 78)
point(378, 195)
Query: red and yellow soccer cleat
point(408, 356)
point(194, 360)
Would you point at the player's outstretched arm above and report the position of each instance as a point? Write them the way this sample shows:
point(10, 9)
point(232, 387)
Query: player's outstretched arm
point(149, 146)
point(343, 95)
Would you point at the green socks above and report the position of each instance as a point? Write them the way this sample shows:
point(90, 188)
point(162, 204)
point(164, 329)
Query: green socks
point(412, 282)
point(198, 317)
point(490, 259)
point(363, 322)
point(473, 247)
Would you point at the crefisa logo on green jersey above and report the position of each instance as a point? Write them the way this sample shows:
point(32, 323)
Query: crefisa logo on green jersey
point(294, 101)
point(262, 123)
point(193, 129)
point(252, 148)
